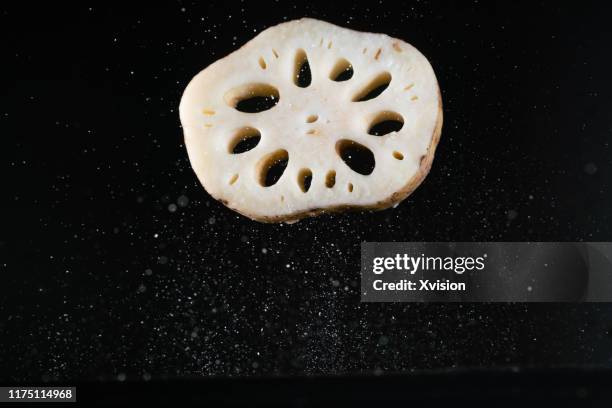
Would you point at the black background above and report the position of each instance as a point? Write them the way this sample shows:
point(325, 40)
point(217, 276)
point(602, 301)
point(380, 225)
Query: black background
point(101, 280)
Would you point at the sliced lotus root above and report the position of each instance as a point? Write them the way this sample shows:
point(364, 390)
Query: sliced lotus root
point(310, 117)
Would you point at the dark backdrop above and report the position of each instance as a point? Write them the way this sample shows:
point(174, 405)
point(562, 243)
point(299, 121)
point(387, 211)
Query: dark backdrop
point(100, 278)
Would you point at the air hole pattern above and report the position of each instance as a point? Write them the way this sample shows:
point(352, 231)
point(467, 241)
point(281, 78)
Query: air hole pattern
point(356, 156)
point(272, 167)
point(305, 179)
point(302, 76)
point(330, 179)
point(386, 122)
point(373, 88)
point(245, 139)
point(260, 97)
point(252, 98)
point(342, 71)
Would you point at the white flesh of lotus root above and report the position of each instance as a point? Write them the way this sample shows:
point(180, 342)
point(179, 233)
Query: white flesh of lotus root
point(309, 124)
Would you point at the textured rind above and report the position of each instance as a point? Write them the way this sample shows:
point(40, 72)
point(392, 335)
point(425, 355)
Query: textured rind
point(386, 202)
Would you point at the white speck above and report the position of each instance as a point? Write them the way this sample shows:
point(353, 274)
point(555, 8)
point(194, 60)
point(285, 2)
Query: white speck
point(590, 168)
point(182, 201)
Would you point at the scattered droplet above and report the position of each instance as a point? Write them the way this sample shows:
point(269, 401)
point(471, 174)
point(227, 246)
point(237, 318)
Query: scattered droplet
point(590, 168)
point(182, 201)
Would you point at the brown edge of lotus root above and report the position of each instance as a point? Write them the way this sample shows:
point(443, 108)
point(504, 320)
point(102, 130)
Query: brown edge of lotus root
point(396, 197)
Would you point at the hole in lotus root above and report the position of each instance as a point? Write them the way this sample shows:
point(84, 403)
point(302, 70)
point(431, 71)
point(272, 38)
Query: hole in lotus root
point(374, 88)
point(330, 179)
point(302, 74)
point(305, 179)
point(386, 122)
point(271, 167)
point(398, 155)
point(252, 98)
point(244, 140)
point(342, 71)
point(359, 158)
